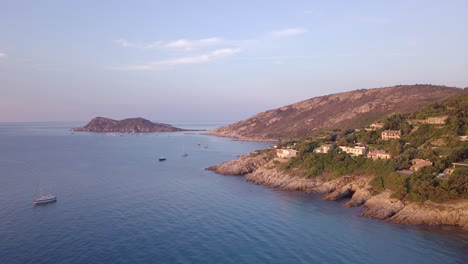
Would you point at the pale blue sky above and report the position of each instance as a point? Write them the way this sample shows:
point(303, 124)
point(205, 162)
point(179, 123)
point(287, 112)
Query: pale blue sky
point(214, 60)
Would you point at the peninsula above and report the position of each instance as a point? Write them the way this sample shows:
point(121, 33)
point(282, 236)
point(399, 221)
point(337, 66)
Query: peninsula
point(129, 125)
point(409, 168)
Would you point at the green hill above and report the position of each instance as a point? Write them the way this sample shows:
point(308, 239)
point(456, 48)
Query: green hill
point(435, 133)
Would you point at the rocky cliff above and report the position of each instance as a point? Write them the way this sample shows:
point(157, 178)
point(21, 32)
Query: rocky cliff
point(260, 169)
point(129, 125)
point(342, 110)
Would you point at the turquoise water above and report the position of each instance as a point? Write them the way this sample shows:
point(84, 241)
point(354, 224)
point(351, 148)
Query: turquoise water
point(118, 204)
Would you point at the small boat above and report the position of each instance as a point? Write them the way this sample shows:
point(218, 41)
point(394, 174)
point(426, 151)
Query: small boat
point(184, 154)
point(44, 199)
point(162, 158)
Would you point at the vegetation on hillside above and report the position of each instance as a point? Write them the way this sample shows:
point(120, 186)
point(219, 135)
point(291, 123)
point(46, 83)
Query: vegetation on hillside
point(441, 144)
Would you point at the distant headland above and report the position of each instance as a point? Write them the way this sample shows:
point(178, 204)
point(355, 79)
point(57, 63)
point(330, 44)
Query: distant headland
point(129, 125)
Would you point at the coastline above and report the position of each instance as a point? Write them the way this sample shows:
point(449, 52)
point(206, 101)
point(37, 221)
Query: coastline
point(260, 169)
point(240, 138)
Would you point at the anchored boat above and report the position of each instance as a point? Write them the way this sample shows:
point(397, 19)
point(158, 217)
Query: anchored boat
point(44, 199)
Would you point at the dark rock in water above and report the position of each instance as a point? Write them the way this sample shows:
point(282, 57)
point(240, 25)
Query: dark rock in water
point(129, 125)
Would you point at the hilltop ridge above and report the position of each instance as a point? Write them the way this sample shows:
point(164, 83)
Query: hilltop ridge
point(342, 110)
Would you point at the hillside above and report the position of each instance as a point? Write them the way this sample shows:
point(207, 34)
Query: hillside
point(129, 125)
point(343, 110)
point(421, 176)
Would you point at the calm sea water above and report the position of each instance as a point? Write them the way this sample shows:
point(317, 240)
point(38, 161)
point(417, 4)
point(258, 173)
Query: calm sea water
point(118, 204)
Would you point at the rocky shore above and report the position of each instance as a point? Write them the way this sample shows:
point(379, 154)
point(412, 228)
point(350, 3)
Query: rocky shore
point(219, 133)
point(260, 169)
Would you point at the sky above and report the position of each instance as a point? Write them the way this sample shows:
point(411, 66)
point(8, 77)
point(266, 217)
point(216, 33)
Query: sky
point(198, 61)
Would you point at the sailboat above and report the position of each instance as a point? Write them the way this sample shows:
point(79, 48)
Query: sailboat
point(44, 199)
point(184, 154)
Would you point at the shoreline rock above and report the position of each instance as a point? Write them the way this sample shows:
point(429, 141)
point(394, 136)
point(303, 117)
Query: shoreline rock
point(259, 169)
point(240, 138)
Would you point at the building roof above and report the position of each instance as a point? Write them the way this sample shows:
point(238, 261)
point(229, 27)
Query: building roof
point(419, 163)
point(418, 160)
point(378, 151)
point(391, 131)
point(461, 163)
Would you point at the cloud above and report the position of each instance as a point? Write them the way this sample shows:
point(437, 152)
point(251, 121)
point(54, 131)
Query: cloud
point(176, 44)
point(191, 44)
point(181, 43)
point(124, 43)
point(288, 32)
point(127, 44)
point(202, 58)
point(2, 55)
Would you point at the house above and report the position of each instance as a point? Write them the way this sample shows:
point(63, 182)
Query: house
point(436, 120)
point(324, 148)
point(286, 153)
point(376, 126)
point(391, 134)
point(379, 154)
point(354, 151)
point(419, 163)
point(449, 171)
point(463, 164)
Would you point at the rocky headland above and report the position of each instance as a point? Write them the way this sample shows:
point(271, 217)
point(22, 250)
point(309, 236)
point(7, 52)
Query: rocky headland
point(129, 125)
point(342, 110)
point(260, 168)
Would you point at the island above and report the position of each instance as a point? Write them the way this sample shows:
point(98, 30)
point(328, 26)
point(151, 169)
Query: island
point(129, 125)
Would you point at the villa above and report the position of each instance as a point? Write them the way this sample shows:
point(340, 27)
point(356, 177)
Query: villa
point(324, 148)
point(456, 165)
point(376, 126)
point(463, 164)
point(419, 163)
point(354, 151)
point(286, 153)
point(391, 134)
point(435, 120)
point(379, 154)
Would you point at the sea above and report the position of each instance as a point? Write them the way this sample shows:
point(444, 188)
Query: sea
point(117, 203)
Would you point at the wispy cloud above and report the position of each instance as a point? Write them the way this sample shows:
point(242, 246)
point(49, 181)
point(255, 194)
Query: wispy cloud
point(201, 45)
point(202, 58)
point(2, 55)
point(127, 44)
point(176, 44)
point(191, 44)
point(124, 43)
point(288, 32)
